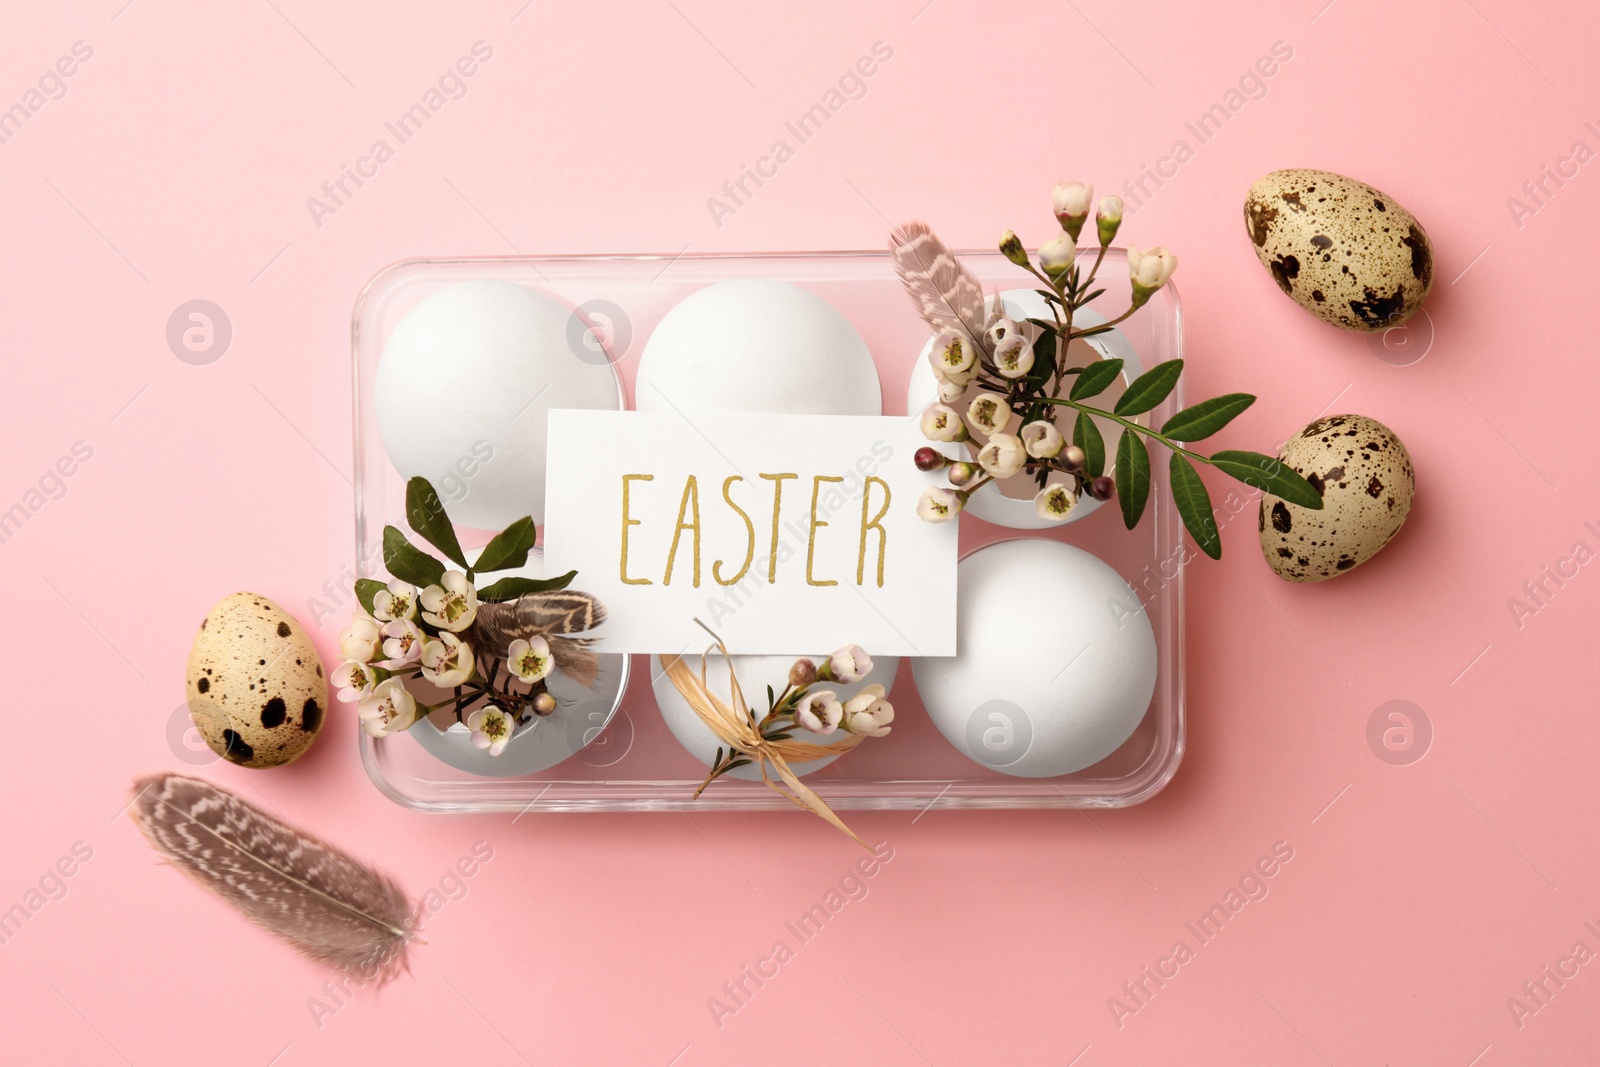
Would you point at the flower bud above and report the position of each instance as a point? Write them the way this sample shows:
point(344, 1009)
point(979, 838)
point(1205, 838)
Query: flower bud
point(1072, 458)
point(1011, 248)
point(1056, 255)
point(803, 673)
point(1148, 270)
point(1101, 488)
point(1108, 218)
point(544, 703)
point(961, 473)
point(1071, 201)
point(1003, 456)
point(1002, 331)
point(1042, 439)
point(928, 459)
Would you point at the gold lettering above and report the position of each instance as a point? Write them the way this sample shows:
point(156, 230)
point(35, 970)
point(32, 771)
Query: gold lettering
point(811, 539)
point(750, 535)
point(627, 522)
point(873, 524)
point(777, 506)
point(691, 498)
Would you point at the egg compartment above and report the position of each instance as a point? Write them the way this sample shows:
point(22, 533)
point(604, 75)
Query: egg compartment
point(635, 764)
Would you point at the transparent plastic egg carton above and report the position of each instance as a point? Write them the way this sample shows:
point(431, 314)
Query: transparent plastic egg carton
point(634, 763)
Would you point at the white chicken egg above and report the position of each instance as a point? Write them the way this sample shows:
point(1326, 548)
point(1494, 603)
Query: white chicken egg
point(757, 345)
point(1057, 663)
point(463, 391)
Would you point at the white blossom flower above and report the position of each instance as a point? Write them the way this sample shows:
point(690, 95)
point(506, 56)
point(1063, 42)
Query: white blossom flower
point(1071, 201)
point(491, 729)
point(850, 664)
point(402, 644)
point(1042, 439)
point(1003, 456)
point(1013, 357)
point(1003, 330)
point(451, 606)
point(1107, 218)
point(355, 681)
point(819, 711)
point(529, 660)
point(1056, 255)
point(940, 423)
point(950, 392)
point(388, 710)
point(396, 601)
point(1054, 503)
point(940, 505)
point(989, 412)
point(361, 639)
point(868, 713)
point(954, 356)
point(1149, 269)
point(447, 661)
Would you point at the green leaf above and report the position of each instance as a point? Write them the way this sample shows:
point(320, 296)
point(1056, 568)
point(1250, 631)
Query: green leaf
point(1044, 357)
point(1086, 435)
point(1150, 388)
point(1133, 476)
point(511, 588)
point(508, 548)
point(1194, 506)
point(1095, 378)
point(1206, 418)
point(366, 589)
point(425, 512)
point(407, 562)
point(1270, 475)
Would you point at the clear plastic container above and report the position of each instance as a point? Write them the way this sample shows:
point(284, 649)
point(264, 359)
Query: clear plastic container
point(634, 764)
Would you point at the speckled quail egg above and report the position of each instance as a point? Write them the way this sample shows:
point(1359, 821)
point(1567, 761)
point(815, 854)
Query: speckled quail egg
point(1365, 477)
point(256, 688)
point(1339, 248)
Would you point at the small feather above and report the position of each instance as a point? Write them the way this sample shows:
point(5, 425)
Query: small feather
point(329, 906)
point(945, 293)
point(546, 615)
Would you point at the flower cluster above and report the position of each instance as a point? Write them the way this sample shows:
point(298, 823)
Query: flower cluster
point(808, 702)
point(422, 625)
point(1005, 382)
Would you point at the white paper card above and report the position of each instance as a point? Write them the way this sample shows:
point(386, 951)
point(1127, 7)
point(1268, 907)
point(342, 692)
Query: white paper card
point(786, 534)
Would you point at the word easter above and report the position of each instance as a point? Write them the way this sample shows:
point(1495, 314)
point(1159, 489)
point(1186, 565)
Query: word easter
point(689, 521)
point(781, 532)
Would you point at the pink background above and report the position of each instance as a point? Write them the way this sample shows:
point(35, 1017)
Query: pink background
point(1419, 898)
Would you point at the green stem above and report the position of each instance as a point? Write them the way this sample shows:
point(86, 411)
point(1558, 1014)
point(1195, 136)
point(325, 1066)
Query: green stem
point(1129, 424)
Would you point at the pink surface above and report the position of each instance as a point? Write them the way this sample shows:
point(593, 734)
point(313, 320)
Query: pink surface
point(1419, 898)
